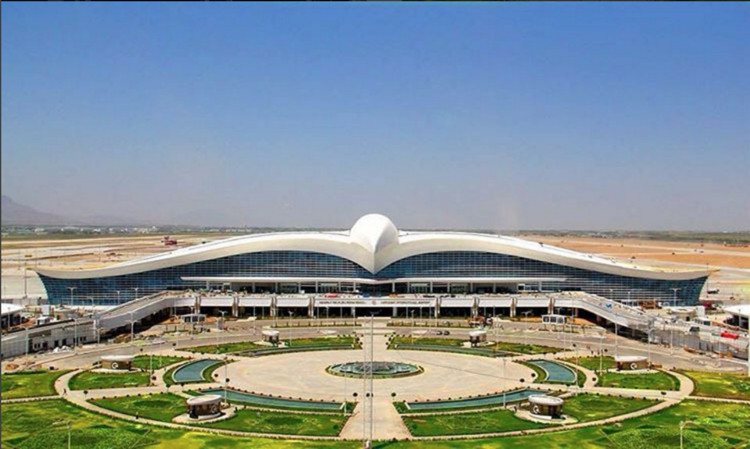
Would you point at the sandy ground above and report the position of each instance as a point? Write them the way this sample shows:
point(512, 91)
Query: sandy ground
point(733, 279)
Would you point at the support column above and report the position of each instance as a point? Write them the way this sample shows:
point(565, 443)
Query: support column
point(311, 308)
point(551, 306)
point(513, 305)
point(197, 305)
point(236, 305)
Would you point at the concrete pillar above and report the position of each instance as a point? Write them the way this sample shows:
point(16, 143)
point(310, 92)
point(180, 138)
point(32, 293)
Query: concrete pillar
point(513, 305)
point(430, 287)
point(311, 308)
point(551, 306)
point(395, 311)
point(235, 305)
point(393, 287)
point(197, 305)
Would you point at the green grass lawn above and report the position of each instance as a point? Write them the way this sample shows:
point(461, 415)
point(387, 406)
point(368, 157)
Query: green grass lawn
point(29, 384)
point(522, 348)
point(720, 385)
point(89, 380)
point(262, 421)
point(647, 381)
point(590, 407)
point(592, 363)
point(41, 425)
point(467, 423)
point(159, 407)
point(321, 341)
point(408, 340)
point(226, 348)
point(145, 362)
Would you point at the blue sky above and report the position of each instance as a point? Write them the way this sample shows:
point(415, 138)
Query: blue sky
point(503, 116)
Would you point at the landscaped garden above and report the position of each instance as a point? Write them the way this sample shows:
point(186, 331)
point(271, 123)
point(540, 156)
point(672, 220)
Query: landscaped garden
point(659, 380)
point(591, 407)
point(155, 362)
point(262, 421)
point(226, 348)
point(89, 380)
point(42, 425)
point(159, 407)
point(522, 348)
point(720, 385)
point(592, 363)
point(336, 342)
point(488, 421)
point(29, 384)
point(400, 340)
point(642, 381)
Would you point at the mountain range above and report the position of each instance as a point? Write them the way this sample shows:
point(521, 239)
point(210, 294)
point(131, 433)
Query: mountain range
point(18, 214)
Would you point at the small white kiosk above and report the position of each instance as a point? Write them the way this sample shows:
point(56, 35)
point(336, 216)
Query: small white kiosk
point(631, 363)
point(271, 336)
point(207, 406)
point(477, 337)
point(117, 362)
point(546, 407)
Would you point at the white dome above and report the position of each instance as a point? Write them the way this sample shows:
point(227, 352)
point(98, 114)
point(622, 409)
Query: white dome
point(374, 232)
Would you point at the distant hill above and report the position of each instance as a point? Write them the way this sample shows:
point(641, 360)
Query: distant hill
point(18, 214)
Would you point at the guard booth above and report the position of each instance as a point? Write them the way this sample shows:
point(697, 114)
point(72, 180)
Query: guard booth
point(477, 337)
point(117, 362)
point(204, 407)
point(546, 406)
point(554, 319)
point(631, 362)
point(271, 336)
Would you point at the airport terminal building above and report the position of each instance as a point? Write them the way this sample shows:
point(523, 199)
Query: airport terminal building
point(374, 258)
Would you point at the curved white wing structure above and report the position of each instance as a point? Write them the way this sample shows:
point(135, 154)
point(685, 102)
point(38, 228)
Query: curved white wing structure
point(374, 243)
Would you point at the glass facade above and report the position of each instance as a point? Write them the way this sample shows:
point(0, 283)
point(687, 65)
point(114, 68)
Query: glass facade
point(104, 290)
point(480, 264)
point(269, 263)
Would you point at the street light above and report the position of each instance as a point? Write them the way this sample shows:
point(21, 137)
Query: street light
point(682, 426)
point(136, 292)
point(132, 329)
point(118, 297)
point(71, 295)
point(674, 289)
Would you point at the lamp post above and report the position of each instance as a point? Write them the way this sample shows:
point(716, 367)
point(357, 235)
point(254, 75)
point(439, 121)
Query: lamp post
point(75, 334)
point(412, 327)
point(682, 427)
point(71, 295)
point(226, 378)
point(674, 290)
point(290, 327)
point(132, 327)
point(118, 297)
point(136, 292)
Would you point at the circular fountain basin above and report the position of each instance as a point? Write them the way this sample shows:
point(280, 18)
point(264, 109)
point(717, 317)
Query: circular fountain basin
point(380, 370)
